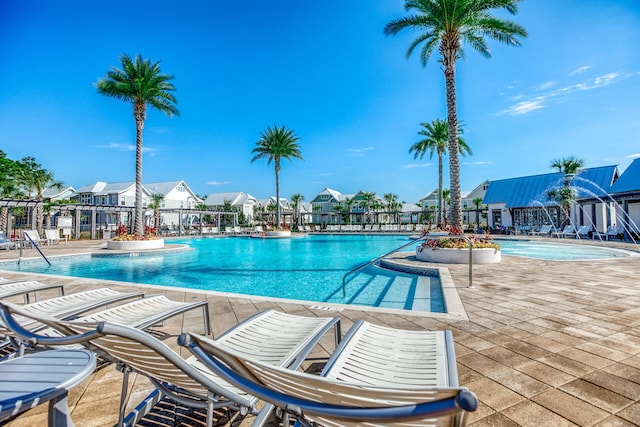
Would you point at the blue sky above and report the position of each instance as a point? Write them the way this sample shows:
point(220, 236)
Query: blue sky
point(325, 70)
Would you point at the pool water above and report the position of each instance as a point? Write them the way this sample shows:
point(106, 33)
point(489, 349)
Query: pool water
point(557, 251)
point(308, 268)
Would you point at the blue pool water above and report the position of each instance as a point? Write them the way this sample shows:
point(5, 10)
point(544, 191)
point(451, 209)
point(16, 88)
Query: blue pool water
point(308, 268)
point(557, 251)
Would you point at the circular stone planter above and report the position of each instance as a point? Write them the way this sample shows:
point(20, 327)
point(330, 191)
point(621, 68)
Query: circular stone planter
point(458, 256)
point(135, 245)
point(278, 233)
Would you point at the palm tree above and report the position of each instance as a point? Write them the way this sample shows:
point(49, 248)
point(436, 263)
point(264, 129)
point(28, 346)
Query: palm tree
point(141, 83)
point(446, 198)
point(276, 144)
point(296, 199)
point(8, 186)
point(348, 203)
point(445, 25)
point(35, 180)
point(368, 199)
point(478, 202)
point(436, 139)
point(569, 166)
point(392, 200)
point(156, 204)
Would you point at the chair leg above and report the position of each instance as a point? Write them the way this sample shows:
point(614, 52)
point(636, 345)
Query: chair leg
point(123, 394)
point(210, 411)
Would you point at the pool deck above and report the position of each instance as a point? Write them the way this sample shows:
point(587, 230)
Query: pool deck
point(546, 344)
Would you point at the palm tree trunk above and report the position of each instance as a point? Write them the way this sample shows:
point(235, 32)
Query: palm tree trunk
point(455, 204)
point(39, 217)
point(138, 226)
point(4, 218)
point(440, 215)
point(277, 167)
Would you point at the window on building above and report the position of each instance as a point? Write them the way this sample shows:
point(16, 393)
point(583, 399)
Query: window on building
point(123, 201)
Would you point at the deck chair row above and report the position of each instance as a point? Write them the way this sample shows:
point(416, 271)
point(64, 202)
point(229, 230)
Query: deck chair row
point(142, 313)
point(376, 375)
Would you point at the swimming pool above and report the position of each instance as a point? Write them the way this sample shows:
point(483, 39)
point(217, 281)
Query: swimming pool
point(558, 251)
point(308, 268)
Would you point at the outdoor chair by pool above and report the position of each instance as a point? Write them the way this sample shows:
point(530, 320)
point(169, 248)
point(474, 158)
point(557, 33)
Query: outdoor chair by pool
point(377, 376)
point(52, 236)
point(65, 307)
point(26, 287)
point(611, 232)
point(545, 230)
point(582, 232)
point(274, 338)
point(6, 243)
point(143, 313)
point(568, 229)
point(32, 237)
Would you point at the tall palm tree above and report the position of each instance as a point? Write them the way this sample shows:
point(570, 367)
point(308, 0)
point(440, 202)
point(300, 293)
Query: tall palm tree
point(478, 202)
point(368, 200)
point(446, 25)
point(156, 204)
point(392, 200)
point(35, 180)
point(141, 83)
point(436, 140)
point(446, 199)
point(296, 199)
point(569, 166)
point(348, 203)
point(276, 144)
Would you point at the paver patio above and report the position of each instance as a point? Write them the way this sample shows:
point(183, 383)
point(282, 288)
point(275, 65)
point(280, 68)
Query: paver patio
point(546, 344)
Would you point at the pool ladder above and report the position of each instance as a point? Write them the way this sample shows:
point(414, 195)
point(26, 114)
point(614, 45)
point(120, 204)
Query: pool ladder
point(32, 244)
point(413, 242)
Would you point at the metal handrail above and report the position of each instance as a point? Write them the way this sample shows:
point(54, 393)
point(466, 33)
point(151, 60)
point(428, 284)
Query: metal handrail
point(413, 242)
point(34, 245)
point(344, 278)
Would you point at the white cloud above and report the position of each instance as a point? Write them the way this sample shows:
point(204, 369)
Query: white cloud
point(537, 102)
point(546, 85)
point(523, 107)
point(580, 70)
point(633, 156)
point(359, 152)
point(218, 182)
point(416, 165)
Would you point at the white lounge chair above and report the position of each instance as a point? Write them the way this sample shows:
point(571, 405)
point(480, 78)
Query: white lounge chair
point(582, 232)
point(272, 337)
point(377, 376)
point(611, 232)
point(52, 236)
point(568, 229)
point(32, 237)
point(67, 306)
point(26, 288)
point(544, 230)
point(6, 243)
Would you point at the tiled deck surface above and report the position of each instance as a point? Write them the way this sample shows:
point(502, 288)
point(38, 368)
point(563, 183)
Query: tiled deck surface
point(547, 343)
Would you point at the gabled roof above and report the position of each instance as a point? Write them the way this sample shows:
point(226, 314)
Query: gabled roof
point(629, 181)
point(236, 198)
point(328, 191)
point(528, 191)
point(92, 188)
point(52, 193)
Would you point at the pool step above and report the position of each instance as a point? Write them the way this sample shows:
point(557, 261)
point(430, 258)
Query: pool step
point(383, 288)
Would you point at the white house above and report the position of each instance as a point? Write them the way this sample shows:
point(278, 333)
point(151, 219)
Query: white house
point(240, 202)
point(176, 195)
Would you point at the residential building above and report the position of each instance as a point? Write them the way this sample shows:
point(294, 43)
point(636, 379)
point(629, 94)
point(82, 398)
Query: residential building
point(526, 202)
point(177, 195)
point(240, 202)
